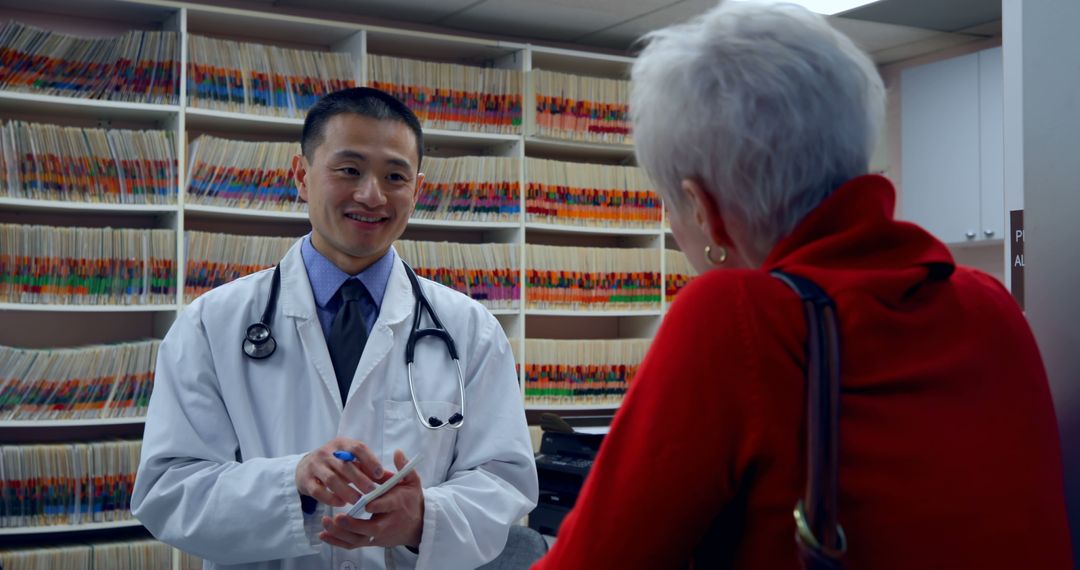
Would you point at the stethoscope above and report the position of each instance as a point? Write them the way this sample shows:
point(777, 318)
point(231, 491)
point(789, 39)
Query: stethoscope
point(259, 343)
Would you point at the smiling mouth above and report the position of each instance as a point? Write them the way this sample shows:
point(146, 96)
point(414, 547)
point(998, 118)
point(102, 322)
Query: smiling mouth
point(366, 219)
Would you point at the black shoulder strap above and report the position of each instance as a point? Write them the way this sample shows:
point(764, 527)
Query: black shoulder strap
point(819, 535)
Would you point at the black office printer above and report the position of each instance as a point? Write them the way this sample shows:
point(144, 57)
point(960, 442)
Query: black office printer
point(565, 457)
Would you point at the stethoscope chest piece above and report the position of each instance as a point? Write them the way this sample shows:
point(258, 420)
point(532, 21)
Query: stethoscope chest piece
point(259, 342)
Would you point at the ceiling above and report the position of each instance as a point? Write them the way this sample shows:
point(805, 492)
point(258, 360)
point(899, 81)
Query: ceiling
point(890, 30)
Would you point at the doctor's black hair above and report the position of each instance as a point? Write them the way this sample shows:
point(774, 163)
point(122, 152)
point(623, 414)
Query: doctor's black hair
point(363, 101)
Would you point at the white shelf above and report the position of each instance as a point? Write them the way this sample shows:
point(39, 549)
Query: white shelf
point(86, 422)
point(585, 313)
point(581, 63)
point(416, 44)
point(572, 406)
point(199, 119)
point(228, 121)
point(95, 108)
point(461, 225)
point(302, 216)
point(129, 14)
point(496, 312)
point(445, 135)
point(63, 528)
point(266, 26)
point(72, 206)
point(589, 230)
point(225, 212)
point(545, 147)
point(57, 308)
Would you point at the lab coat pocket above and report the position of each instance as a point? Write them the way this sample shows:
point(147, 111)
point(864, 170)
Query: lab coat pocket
point(403, 431)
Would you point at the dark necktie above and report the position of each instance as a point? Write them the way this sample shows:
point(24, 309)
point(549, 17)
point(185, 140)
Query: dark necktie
point(348, 334)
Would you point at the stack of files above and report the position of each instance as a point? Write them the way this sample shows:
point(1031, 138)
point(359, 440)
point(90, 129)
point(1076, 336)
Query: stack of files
point(486, 272)
point(87, 266)
point(454, 97)
point(225, 75)
point(138, 67)
point(580, 372)
point(134, 555)
point(144, 554)
point(516, 349)
point(470, 188)
point(243, 174)
point(591, 279)
point(595, 195)
point(677, 273)
point(189, 561)
point(9, 163)
point(573, 107)
point(93, 382)
point(50, 162)
point(74, 483)
point(215, 259)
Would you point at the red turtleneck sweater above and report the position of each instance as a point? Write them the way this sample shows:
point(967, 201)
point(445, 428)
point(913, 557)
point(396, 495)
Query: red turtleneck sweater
point(949, 447)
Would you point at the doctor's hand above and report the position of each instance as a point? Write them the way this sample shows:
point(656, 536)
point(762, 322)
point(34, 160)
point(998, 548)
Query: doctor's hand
point(326, 478)
point(397, 518)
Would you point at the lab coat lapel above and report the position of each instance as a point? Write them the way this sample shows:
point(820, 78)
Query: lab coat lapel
point(298, 304)
point(396, 307)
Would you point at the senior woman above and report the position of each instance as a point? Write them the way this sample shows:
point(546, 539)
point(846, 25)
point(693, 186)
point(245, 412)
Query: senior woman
point(757, 122)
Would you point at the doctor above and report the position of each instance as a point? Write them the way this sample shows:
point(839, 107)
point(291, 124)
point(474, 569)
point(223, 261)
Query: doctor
point(237, 462)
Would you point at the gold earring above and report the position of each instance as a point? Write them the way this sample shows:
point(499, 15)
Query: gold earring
point(709, 258)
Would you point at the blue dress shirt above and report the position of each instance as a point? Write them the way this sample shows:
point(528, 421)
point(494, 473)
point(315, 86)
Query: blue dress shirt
point(326, 278)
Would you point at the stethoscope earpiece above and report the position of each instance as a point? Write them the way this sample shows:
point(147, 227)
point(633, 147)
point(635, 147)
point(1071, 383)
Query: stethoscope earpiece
point(455, 421)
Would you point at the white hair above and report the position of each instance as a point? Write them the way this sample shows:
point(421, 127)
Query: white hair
point(768, 106)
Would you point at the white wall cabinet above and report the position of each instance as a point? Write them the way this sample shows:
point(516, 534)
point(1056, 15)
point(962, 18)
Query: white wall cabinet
point(952, 150)
point(991, 145)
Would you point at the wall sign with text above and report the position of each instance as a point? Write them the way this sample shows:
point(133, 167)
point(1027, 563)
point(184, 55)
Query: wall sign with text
point(1016, 254)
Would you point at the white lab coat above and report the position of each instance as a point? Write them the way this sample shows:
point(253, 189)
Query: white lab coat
point(224, 433)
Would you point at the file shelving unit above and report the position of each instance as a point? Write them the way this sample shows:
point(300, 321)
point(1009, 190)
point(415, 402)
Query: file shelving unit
point(57, 326)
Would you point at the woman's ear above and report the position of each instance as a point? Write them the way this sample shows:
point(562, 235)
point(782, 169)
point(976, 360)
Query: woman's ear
point(706, 211)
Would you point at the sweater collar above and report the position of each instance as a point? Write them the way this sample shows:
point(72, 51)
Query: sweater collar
point(852, 238)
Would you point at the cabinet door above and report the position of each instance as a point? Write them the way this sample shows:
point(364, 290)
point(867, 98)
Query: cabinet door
point(991, 145)
point(940, 147)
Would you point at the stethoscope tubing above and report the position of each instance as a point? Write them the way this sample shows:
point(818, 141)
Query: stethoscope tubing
point(433, 423)
point(259, 344)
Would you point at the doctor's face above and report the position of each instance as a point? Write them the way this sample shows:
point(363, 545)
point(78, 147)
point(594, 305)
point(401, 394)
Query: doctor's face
point(360, 186)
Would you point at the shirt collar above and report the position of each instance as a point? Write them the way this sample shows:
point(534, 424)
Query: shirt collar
point(326, 278)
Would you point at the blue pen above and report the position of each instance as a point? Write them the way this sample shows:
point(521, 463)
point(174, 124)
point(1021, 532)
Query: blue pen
point(348, 456)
